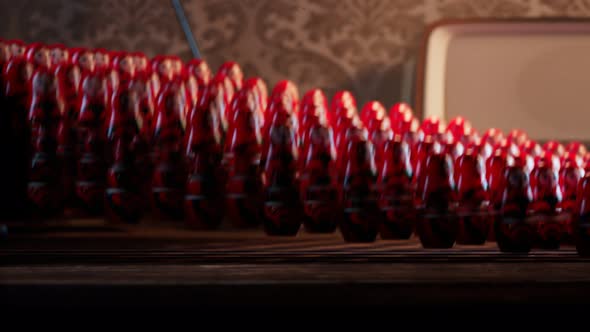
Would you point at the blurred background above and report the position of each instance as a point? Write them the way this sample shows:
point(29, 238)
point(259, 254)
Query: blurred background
point(362, 45)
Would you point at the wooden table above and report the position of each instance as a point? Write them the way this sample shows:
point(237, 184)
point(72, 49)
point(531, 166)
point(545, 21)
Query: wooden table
point(154, 264)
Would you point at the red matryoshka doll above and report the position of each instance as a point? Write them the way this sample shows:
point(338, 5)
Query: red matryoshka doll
point(232, 70)
point(59, 54)
point(570, 173)
point(581, 217)
point(243, 148)
point(318, 176)
point(46, 107)
point(471, 186)
point(141, 63)
point(374, 117)
point(402, 120)
point(103, 58)
point(430, 131)
point(546, 195)
point(358, 197)
point(283, 212)
point(531, 150)
point(344, 114)
point(178, 67)
point(203, 200)
point(314, 110)
point(517, 137)
point(68, 75)
point(512, 231)
point(489, 140)
point(124, 66)
point(39, 56)
point(284, 102)
point(222, 93)
point(90, 140)
point(162, 72)
point(198, 76)
point(123, 194)
point(15, 138)
point(180, 79)
point(84, 59)
point(436, 221)
point(495, 165)
point(261, 90)
point(460, 134)
point(169, 178)
point(396, 194)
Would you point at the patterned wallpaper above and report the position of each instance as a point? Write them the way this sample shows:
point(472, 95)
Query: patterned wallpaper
point(333, 44)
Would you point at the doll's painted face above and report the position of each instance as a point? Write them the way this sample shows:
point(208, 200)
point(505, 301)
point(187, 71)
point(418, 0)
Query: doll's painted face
point(140, 62)
point(165, 68)
point(102, 59)
point(42, 57)
point(203, 72)
point(87, 61)
point(17, 49)
point(127, 65)
point(59, 55)
point(236, 75)
point(177, 66)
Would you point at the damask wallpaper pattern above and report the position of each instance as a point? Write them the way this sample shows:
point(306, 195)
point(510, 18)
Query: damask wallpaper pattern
point(333, 44)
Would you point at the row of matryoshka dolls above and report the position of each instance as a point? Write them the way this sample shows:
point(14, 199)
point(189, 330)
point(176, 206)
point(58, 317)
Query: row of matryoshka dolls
point(345, 120)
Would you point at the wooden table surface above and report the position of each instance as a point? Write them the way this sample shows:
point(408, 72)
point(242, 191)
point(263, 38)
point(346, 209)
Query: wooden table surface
point(90, 262)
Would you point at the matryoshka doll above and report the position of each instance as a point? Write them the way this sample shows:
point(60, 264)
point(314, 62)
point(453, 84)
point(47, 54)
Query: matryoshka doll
point(141, 86)
point(361, 217)
point(512, 231)
point(570, 173)
point(283, 212)
point(242, 153)
point(123, 194)
point(318, 186)
point(124, 66)
point(180, 79)
point(169, 178)
point(103, 58)
point(68, 75)
point(471, 197)
point(262, 96)
point(203, 200)
point(90, 141)
point(395, 190)
point(460, 134)
point(314, 110)
point(374, 117)
point(161, 74)
point(141, 63)
point(233, 70)
point(284, 102)
point(198, 77)
point(546, 197)
point(436, 222)
point(46, 106)
point(344, 115)
point(59, 54)
point(222, 93)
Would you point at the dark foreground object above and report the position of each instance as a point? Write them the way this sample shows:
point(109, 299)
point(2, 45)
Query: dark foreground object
point(162, 265)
